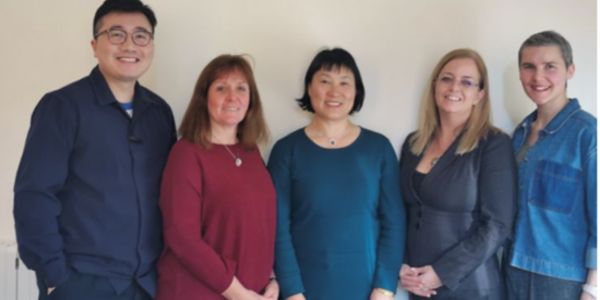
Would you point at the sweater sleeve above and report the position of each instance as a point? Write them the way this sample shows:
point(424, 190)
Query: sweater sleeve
point(286, 264)
point(392, 218)
point(181, 205)
point(41, 175)
point(497, 195)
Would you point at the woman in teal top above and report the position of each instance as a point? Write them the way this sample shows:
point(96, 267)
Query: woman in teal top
point(340, 219)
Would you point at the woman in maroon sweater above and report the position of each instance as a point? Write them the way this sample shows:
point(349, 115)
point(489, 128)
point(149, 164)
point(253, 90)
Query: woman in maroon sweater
point(217, 198)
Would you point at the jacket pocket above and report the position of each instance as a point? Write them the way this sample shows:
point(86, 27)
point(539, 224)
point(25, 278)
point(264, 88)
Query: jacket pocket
point(555, 186)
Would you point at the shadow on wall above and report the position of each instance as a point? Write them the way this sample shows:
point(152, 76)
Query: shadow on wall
point(515, 102)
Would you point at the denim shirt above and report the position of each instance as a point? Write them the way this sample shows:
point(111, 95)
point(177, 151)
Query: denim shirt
point(87, 187)
point(555, 233)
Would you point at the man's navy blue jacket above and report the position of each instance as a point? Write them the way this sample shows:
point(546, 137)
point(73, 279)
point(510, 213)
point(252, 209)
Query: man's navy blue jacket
point(87, 188)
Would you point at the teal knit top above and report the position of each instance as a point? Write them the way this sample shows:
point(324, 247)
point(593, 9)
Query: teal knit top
point(340, 217)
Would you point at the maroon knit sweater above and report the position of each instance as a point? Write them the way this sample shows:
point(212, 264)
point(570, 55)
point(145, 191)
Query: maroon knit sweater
point(218, 220)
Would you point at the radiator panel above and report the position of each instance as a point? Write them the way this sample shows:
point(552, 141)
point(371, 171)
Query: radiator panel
point(16, 281)
point(8, 271)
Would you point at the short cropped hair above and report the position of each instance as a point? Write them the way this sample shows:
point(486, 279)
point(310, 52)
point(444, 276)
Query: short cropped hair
point(333, 59)
point(549, 38)
point(125, 6)
point(195, 126)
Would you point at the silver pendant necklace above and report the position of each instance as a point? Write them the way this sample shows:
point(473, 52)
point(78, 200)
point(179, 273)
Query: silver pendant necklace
point(332, 140)
point(236, 158)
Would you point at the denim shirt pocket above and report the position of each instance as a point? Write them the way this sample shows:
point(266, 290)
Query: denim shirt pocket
point(555, 186)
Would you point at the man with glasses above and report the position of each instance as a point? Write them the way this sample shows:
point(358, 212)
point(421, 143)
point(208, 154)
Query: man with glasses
point(86, 192)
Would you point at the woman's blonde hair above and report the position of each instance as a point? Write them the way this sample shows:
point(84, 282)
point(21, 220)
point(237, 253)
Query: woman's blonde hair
point(478, 125)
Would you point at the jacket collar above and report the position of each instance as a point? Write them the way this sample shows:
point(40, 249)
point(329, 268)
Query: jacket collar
point(558, 121)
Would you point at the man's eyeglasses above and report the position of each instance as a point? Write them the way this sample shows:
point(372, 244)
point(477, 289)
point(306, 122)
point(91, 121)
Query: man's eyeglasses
point(117, 36)
point(464, 83)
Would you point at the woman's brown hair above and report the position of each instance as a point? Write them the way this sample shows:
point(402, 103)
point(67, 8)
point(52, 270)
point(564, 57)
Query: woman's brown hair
point(195, 126)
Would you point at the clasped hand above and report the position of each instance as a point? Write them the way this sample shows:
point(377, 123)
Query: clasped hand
point(422, 281)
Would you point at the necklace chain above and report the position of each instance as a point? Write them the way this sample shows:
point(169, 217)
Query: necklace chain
point(436, 143)
point(236, 158)
point(332, 140)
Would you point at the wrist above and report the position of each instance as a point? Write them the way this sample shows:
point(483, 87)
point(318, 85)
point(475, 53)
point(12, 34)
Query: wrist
point(296, 297)
point(384, 292)
point(591, 290)
point(235, 290)
point(591, 277)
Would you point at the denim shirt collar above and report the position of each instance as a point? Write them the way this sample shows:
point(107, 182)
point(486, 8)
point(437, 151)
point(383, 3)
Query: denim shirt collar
point(558, 121)
point(104, 95)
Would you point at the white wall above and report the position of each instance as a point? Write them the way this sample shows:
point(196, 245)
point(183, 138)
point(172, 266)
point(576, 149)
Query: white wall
point(45, 45)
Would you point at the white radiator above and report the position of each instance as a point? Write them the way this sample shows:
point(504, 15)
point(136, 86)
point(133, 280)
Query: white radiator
point(16, 281)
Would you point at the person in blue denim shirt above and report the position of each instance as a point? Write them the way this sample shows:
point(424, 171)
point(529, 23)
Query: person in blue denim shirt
point(553, 249)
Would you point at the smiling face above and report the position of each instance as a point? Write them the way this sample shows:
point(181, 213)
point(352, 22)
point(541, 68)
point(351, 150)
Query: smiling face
point(332, 93)
point(457, 87)
point(126, 62)
point(544, 75)
point(228, 99)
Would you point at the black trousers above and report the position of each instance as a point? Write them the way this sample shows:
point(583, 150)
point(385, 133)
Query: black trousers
point(90, 287)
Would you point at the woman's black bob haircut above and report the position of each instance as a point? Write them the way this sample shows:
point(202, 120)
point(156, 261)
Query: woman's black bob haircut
point(329, 59)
